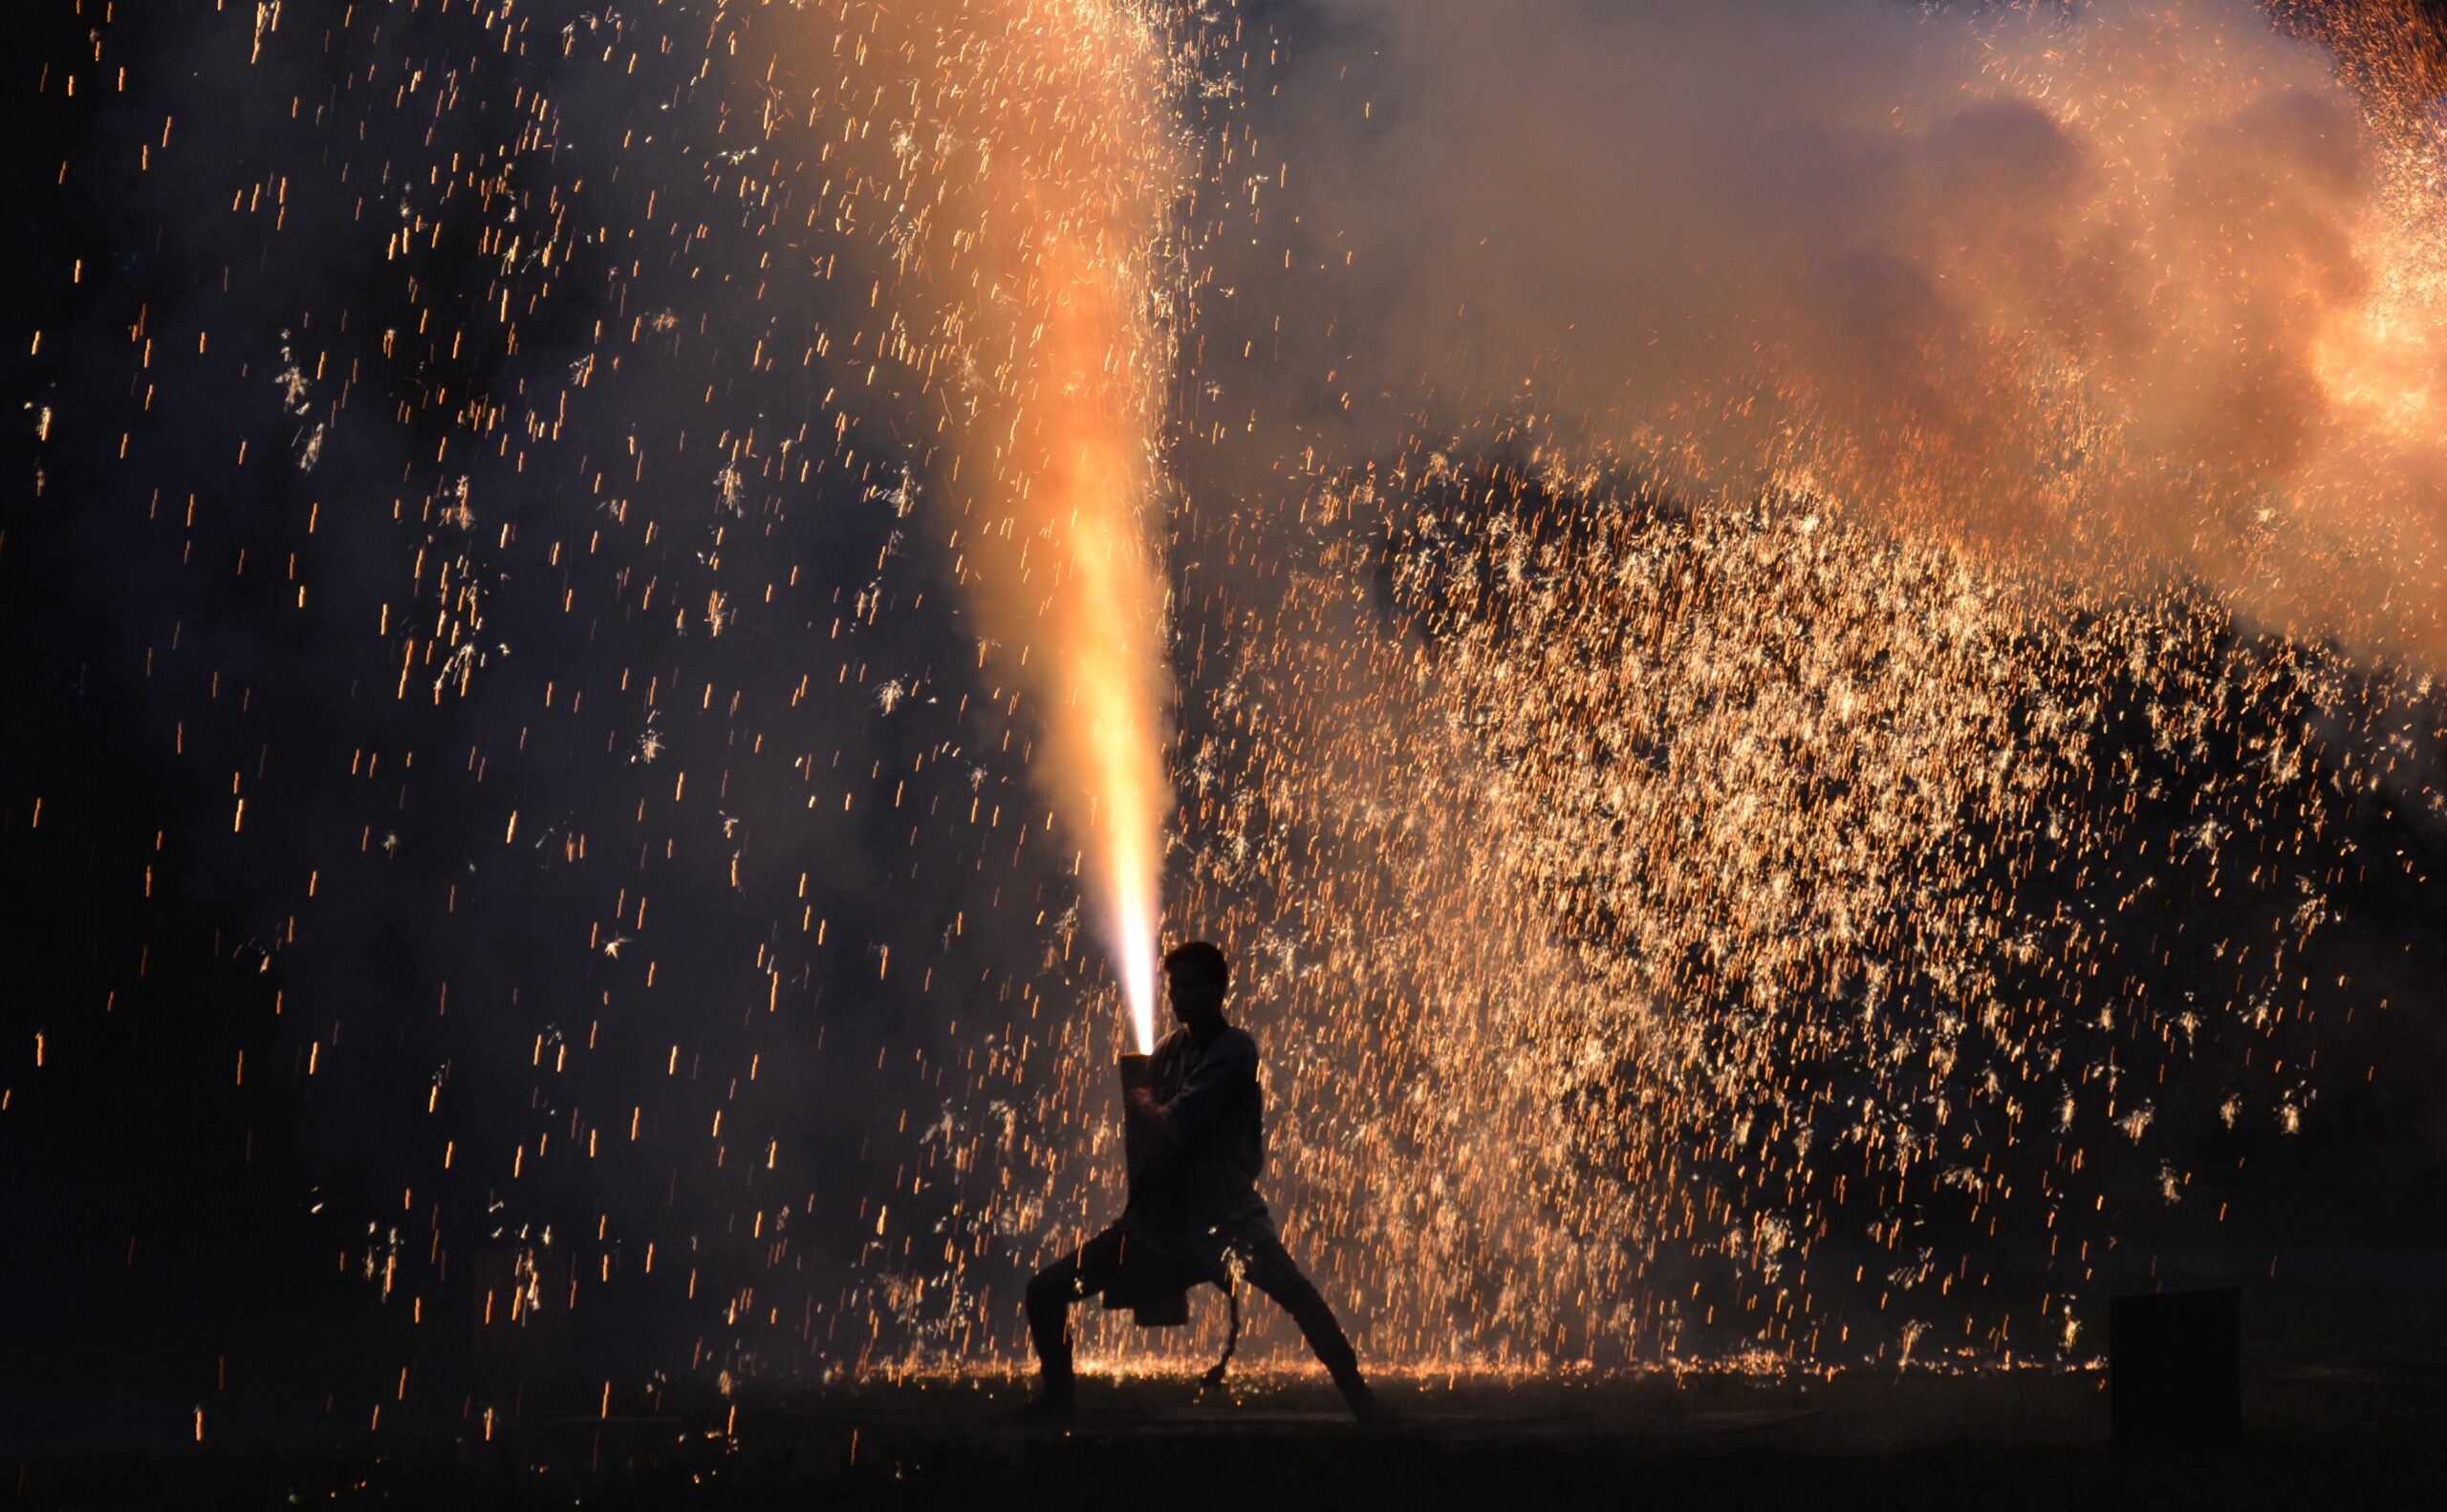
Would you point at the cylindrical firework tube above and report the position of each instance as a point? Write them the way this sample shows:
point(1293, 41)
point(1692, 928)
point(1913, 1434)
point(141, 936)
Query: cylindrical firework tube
point(1136, 1148)
point(1148, 1288)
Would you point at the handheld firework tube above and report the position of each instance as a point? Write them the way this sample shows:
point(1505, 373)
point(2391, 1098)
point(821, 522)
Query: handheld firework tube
point(1154, 1293)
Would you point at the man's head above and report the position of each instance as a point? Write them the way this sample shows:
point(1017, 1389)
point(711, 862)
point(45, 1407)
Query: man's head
point(1196, 978)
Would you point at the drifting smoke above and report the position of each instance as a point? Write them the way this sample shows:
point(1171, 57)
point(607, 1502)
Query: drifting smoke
point(2149, 287)
point(1025, 153)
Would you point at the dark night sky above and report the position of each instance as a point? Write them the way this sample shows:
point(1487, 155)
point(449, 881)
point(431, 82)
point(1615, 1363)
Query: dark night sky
point(194, 626)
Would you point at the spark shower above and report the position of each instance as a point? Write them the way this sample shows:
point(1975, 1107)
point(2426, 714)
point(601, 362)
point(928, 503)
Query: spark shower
point(1795, 646)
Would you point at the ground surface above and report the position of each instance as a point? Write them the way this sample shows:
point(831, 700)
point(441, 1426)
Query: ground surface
point(2365, 1436)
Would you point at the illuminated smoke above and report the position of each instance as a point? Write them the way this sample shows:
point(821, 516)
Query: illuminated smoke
point(2145, 286)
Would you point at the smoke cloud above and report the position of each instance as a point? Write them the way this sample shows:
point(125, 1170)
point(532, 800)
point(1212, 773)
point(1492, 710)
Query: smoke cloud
point(2132, 285)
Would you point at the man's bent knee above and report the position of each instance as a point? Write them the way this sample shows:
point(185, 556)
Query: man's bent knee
point(1055, 1285)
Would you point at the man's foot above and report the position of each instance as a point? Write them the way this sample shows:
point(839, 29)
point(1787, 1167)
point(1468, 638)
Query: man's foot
point(1051, 1408)
point(1369, 1410)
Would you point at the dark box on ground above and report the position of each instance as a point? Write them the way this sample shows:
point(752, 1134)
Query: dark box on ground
point(2174, 1366)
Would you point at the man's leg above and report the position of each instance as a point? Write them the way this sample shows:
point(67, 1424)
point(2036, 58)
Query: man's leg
point(1050, 1294)
point(1266, 1264)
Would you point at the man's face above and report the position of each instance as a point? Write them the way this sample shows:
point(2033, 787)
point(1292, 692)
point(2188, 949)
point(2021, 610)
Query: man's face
point(1191, 995)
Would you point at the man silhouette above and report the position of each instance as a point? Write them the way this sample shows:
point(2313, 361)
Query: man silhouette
point(1194, 1211)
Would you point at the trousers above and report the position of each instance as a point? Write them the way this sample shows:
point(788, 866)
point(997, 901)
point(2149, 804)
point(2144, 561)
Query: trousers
point(1252, 1250)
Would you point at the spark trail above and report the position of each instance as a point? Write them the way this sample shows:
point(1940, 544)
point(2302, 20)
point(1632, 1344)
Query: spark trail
point(1025, 153)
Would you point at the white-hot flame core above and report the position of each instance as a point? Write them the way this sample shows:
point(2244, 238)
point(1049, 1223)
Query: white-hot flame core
point(1134, 934)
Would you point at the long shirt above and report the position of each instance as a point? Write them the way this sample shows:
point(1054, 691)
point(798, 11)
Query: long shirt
point(1206, 1140)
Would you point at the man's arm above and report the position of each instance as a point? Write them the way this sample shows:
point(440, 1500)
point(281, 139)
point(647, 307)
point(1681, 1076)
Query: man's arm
point(1219, 1078)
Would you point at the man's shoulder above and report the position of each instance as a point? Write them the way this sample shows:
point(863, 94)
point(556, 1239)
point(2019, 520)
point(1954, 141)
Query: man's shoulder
point(1232, 1046)
point(1235, 1044)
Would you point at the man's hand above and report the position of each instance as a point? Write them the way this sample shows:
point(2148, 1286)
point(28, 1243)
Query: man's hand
point(1140, 1103)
